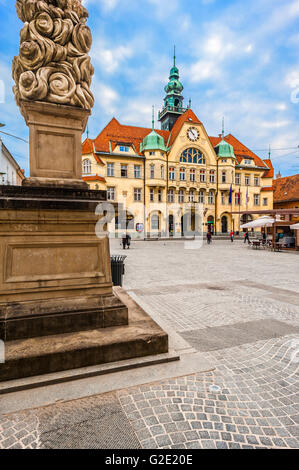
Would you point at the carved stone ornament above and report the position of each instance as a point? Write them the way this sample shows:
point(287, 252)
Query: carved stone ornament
point(53, 64)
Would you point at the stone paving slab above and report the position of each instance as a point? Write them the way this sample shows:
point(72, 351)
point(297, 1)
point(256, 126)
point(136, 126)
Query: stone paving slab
point(250, 400)
point(221, 337)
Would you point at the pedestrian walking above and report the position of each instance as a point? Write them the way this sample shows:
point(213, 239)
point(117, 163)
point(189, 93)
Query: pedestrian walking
point(232, 236)
point(246, 237)
point(128, 241)
point(124, 240)
point(209, 238)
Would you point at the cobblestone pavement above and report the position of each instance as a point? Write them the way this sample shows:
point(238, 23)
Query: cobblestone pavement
point(242, 306)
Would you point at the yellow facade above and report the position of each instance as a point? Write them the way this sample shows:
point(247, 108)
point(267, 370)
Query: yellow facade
point(206, 185)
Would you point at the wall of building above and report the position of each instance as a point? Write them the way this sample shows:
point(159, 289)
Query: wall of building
point(10, 173)
point(159, 185)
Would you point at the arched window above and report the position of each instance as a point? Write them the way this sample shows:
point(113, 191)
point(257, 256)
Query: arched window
point(86, 166)
point(193, 155)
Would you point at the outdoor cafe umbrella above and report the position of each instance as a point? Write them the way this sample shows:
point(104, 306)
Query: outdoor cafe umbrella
point(294, 227)
point(260, 222)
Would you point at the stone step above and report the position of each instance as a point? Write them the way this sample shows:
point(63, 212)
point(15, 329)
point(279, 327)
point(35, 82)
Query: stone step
point(49, 354)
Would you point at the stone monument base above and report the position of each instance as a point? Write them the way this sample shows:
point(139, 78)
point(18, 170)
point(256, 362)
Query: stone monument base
point(58, 310)
point(44, 355)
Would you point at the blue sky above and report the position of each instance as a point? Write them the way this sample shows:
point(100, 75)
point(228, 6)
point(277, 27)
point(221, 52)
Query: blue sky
point(237, 59)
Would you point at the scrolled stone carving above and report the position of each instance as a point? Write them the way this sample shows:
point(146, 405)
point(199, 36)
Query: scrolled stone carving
point(53, 64)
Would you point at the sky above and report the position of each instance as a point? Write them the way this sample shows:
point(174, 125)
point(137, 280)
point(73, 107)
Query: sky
point(238, 60)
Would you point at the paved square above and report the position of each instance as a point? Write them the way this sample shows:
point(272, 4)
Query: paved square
point(239, 306)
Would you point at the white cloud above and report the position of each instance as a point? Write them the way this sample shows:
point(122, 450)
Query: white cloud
point(105, 97)
point(109, 58)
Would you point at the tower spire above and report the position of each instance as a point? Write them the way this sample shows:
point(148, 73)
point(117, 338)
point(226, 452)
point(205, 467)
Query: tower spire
point(223, 128)
point(174, 57)
point(269, 152)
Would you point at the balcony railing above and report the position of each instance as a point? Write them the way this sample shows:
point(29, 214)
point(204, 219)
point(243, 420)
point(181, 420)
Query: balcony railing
point(172, 109)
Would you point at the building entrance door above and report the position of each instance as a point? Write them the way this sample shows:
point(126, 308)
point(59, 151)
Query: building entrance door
point(224, 224)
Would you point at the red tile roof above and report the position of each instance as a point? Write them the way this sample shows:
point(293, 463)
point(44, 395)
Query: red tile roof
point(240, 150)
point(115, 133)
point(270, 172)
point(88, 148)
point(267, 188)
point(94, 178)
point(286, 189)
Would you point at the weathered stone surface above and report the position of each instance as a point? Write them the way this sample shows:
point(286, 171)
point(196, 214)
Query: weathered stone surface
point(47, 354)
point(53, 64)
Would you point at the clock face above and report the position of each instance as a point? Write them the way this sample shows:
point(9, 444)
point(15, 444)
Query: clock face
point(193, 134)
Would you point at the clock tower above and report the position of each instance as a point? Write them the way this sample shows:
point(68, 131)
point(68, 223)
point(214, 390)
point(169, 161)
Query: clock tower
point(173, 101)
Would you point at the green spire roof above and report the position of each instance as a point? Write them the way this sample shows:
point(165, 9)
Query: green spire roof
point(224, 149)
point(174, 85)
point(153, 141)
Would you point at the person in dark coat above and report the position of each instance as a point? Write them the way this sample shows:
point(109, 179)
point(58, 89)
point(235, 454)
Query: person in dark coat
point(246, 237)
point(209, 238)
point(128, 241)
point(124, 241)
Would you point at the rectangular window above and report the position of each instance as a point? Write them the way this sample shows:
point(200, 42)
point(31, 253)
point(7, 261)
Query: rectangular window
point(137, 171)
point(152, 172)
point(256, 199)
point(202, 176)
point(111, 194)
point(191, 196)
point(192, 175)
point(152, 195)
point(124, 148)
point(181, 196)
point(224, 177)
point(237, 199)
point(201, 197)
point(223, 198)
point(212, 176)
point(182, 174)
point(110, 169)
point(137, 195)
point(171, 195)
point(265, 201)
point(247, 180)
point(159, 195)
point(152, 153)
point(211, 197)
point(256, 181)
point(238, 178)
point(247, 162)
point(171, 174)
point(124, 171)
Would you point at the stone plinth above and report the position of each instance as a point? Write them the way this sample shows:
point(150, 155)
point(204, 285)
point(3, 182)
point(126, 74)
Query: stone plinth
point(55, 133)
point(55, 275)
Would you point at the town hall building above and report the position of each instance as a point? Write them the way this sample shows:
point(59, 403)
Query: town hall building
point(153, 169)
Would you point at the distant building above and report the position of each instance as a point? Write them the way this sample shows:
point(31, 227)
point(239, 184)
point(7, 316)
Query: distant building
point(10, 172)
point(286, 193)
point(178, 164)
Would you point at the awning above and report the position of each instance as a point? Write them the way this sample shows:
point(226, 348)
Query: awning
point(294, 227)
point(261, 222)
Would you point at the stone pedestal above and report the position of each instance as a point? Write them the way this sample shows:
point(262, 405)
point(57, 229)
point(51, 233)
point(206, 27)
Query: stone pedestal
point(55, 275)
point(55, 133)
